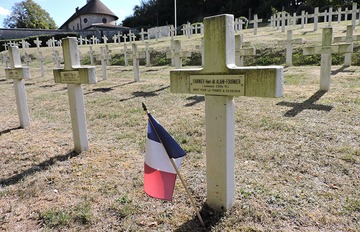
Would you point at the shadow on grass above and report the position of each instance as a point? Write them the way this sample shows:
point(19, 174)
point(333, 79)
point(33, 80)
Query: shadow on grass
point(209, 216)
point(195, 100)
point(342, 70)
point(108, 89)
point(309, 104)
point(47, 86)
point(145, 94)
point(9, 130)
point(37, 168)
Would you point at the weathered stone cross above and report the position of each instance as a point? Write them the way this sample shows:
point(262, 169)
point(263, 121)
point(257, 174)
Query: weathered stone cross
point(220, 80)
point(105, 58)
point(177, 54)
point(18, 73)
point(289, 50)
point(242, 49)
point(74, 75)
point(349, 38)
point(326, 49)
point(136, 61)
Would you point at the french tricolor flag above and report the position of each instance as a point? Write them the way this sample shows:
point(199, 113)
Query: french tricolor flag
point(159, 173)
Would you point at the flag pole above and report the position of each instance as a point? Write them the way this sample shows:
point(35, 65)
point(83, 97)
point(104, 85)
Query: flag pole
point(180, 176)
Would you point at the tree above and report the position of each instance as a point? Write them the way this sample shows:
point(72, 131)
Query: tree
point(28, 14)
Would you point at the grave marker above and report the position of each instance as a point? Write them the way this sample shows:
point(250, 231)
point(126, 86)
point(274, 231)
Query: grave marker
point(74, 75)
point(242, 49)
point(105, 57)
point(105, 39)
point(177, 54)
point(220, 80)
point(18, 73)
point(147, 54)
point(136, 61)
point(349, 38)
point(326, 49)
point(289, 50)
point(255, 22)
point(37, 43)
point(41, 62)
point(91, 54)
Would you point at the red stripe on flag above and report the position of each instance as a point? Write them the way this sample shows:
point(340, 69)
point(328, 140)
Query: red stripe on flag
point(158, 184)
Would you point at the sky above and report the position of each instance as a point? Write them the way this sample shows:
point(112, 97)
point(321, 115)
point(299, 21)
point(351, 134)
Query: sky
point(61, 10)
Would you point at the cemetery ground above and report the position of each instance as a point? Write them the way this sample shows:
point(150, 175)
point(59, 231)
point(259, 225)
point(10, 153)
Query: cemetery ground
point(297, 157)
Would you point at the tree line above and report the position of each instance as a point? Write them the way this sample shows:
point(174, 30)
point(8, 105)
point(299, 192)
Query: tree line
point(152, 13)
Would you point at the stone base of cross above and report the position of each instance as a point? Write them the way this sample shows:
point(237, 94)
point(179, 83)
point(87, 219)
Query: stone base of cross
point(220, 80)
point(74, 75)
point(326, 49)
point(18, 73)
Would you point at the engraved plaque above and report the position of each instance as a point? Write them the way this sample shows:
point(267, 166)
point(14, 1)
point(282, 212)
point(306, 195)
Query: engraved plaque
point(227, 85)
point(13, 73)
point(70, 77)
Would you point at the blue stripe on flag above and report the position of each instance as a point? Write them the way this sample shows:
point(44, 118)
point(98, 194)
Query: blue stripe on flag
point(156, 133)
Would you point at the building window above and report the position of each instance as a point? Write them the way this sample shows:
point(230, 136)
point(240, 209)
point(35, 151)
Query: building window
point(104, 20)
point(85, 20)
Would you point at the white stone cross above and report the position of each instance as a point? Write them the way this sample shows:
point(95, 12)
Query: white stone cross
point(316, 18)
point(349, 38)
point(125, 52)
point(147, 54)
point(18, 73)
point(289, 50)
point(74, 75)
point(255, 22)
point(105, 57)
point(91, 55)
point(37, 43)
point(354, 11)
point(81, 40)
point(177, 54)
point(5, 45)
point(136, 61)
point(105, 39)
point(56, 58)
point(27, 59)
point(220, 80)
point(142, 34)
point(94, 39)
point(326, 49)
point(115, 38)
point(41, 62)
point(242, 49)
point(125, 38)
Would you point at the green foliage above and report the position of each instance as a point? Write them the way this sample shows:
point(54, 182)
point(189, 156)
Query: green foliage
point(159, 58)
point(28, 14)
point(86, 60)
point(270, 57)
point(56, 218)
point(152, 13)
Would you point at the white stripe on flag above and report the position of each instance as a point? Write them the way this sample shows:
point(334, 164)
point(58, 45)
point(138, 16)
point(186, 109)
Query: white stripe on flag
point(157, 158)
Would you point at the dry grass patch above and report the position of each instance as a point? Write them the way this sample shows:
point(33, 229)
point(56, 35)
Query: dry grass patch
point(297, 157)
